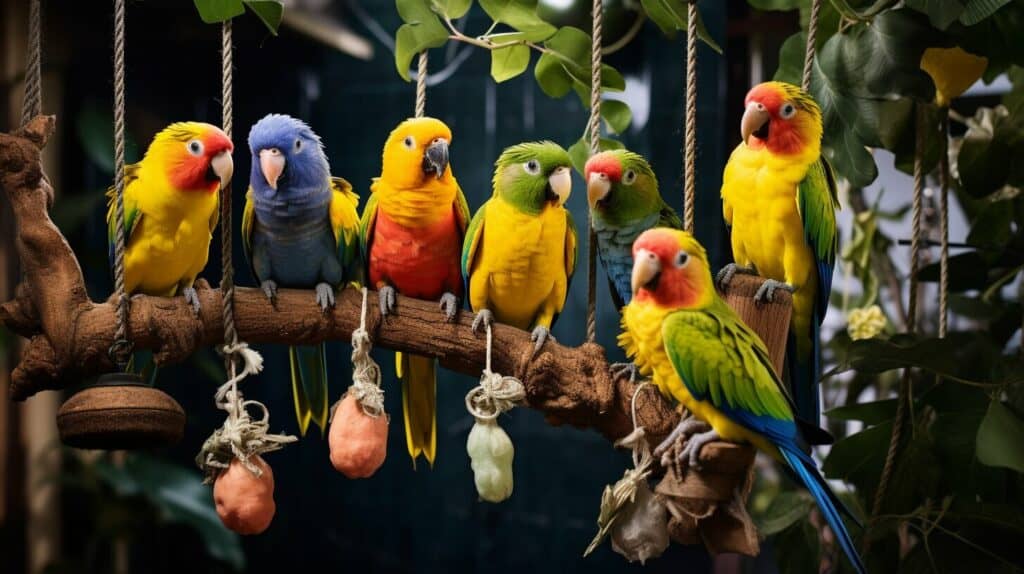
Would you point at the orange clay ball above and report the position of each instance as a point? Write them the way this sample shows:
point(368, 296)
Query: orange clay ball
point(359, 442)
point(245, 502)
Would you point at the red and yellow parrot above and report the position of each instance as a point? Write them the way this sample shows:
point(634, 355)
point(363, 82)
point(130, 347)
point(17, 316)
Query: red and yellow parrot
point(412, 230)
point(779, 199)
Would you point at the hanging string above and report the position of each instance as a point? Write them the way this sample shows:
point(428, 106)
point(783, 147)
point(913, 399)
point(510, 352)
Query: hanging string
point(365, 371)
point(227, 282)
point(121, 348)
point(496, 393)
point(690, 154)
point(903, 396)
point(421, 86)
point(944, 227)
point(32, 105)
point(594, 129)
point(812, 39)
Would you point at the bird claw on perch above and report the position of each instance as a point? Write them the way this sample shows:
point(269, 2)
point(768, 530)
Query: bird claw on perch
point(766, 292)
point(691, 451)
point(686, 427)
point(619, 370)
point(484, 318)
point(324, 296)
point(386, 296)
point(539, 335)
point(725, 275)
point(449, 306)
point(269, 289)
point(192, 298)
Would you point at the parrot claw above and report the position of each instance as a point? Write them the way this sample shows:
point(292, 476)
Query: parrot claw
point(766, 292)
point(324, 296)
point(622, 369)
point(483, 318)
point(691, 452)
point(450, 306)
point(270, 290)
point(726, 274)
point(386, 295)
point(685, 428)
point(539, 336)
point(192, 298)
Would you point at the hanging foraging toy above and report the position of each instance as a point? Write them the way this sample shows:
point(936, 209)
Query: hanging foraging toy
point(243, 483)
point(634, 518)
point(359, 426)
point(490, 448)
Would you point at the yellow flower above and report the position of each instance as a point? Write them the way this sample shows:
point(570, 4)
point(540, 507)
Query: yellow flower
point(866, 323)
point(953, 71)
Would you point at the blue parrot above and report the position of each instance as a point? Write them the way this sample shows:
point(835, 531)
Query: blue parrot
point(300, 230)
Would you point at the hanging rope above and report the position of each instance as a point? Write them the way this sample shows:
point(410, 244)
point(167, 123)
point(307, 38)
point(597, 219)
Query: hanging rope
point(227, 282)
point(690, 154)
point(365, 371)
point(594, 129)
point(812, 39)
point(944, 227)
point(421, 86)
point(121, 348)
point(32, 104)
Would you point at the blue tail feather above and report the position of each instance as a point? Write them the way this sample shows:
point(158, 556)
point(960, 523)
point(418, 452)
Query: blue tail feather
point(829, 504)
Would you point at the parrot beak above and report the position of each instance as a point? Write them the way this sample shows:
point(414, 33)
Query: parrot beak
point(223, 167)
point(272, 165)
point(646, 271)
point(598, 187)
point(435, 158)
point(755, 122)
point(560, 184)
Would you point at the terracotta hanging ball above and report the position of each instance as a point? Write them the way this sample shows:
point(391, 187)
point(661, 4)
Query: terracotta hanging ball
point(120, 412)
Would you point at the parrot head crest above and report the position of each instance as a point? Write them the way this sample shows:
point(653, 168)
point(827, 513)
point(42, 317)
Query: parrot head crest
point(670, 268)
point(533, 175)
point(621, 186)
point(195, 155)
point(781, 118)
point(286, 155)
point(416, 153)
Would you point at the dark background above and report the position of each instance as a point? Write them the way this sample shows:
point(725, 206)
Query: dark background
point(425, 520)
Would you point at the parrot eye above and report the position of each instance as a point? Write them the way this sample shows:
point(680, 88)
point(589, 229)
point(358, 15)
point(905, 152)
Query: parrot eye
point(787, 111)
point(409, 142)
point(532, 167)
point(298, 145)
point(195, 147)
point(629, 177)
point(682, 258)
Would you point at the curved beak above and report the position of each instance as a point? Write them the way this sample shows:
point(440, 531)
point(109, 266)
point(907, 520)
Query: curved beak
point(224, 167)
point(755, 122)
point(646, 271)
point(272, 165)
point(560, 184)
point(435, 158)
point(598, 187)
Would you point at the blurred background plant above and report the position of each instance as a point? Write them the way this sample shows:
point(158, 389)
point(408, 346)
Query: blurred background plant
point(955, 499)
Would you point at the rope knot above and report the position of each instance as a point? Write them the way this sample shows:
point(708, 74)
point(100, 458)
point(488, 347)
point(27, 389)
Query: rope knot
point(366, 377)
point(496, 394)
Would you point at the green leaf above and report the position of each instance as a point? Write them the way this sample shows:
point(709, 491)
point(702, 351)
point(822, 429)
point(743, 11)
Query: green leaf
point(977, 10)
point(671, 15)
point(941, 13)
point(522, 16)
point(95, 133)
point(1001, 438)
point(992, 227)
point(872, 413)
point(268, 11)
point(214, 11)
point(421, 31)
point(579, 152)
point(786, 509)
point(452, 9)
point(507, 63)
point(552, 77)
point(180, 496)
point(568, 57)
point(617, 115)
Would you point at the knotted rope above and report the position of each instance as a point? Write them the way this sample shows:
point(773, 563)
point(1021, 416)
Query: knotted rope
point(227, 282)
point(690, 154)
point(594, 129)
point(121, 349)
point(496, 393)
point(366, 377)
point(812, 39)
point(32, 105)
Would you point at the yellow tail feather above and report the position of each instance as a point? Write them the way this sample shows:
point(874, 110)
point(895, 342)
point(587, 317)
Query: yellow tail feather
point(419, 404)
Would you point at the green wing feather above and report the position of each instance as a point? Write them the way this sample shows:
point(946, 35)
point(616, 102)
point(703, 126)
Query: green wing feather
point(366, 223)
point(461, 210)
point(571, 241)
point(722, 361)
point(248, 218)
point(668, 217)
point(345, 226)
point(132, 214)
point(817, 202)
point(474, 234)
